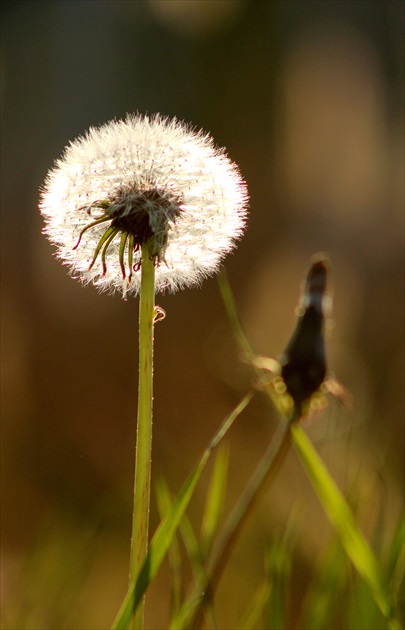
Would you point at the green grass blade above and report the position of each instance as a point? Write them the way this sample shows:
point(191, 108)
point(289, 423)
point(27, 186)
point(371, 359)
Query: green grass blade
point(168, 526)
point(193, 548)
point(248, 353)
point(323, 600)
point(360, 608)
point(255, 610)
point(230, 306)
point(191, 545)
point(397, 561)
point(278, 572)
point(192, 611)
point(215, 499)
point(342, 518)
point(185, 612)
point(164, 503)
point(197, 561)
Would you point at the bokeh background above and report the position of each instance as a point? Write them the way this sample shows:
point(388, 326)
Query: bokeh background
point(308, 98)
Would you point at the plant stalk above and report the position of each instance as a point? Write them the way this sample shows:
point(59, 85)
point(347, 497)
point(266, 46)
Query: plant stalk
point(140, 522)
point(265, 472)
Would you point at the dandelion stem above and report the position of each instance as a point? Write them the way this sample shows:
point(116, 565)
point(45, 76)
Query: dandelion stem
point(140, 523)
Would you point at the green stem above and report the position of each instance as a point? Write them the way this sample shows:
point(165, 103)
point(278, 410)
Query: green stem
point(265, 472)
point(163, 536)
point(140, 522)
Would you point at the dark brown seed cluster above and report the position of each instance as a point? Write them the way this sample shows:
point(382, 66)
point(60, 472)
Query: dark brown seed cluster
point(137, 217)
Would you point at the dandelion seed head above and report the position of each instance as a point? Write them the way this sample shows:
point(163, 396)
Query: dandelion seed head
point(143, 179)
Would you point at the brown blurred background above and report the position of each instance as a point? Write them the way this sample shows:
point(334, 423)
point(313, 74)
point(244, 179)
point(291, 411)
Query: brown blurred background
point(308, 98)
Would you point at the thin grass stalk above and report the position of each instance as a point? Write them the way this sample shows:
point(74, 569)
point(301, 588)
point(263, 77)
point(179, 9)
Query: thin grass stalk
point(263, 475)
point(168, 526)
point(140, 521)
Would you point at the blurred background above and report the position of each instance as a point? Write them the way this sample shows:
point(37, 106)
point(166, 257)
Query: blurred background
point(308, 99)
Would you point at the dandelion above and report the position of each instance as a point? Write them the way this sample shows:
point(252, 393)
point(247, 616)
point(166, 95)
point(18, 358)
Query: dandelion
point(143, 205)
point(143, 179)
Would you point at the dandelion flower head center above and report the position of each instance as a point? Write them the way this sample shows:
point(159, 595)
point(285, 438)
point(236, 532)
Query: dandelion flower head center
point(137, 181)
point(145, 214)
point(139, 216)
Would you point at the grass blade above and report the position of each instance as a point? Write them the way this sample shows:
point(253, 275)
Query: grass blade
point(279, 570)
point(255, 610)
point(397, 562)
point(215, 499)
point(342, 518)
point(165, 502)
point(323, 600)
point(168, 526)
point(230, 306)
point(192, 612)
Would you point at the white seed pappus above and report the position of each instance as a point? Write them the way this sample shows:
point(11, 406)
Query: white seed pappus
point(138, 156)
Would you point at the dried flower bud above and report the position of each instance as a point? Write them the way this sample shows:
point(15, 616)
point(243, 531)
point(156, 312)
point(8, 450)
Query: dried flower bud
point(143, 180)
point(303, 364)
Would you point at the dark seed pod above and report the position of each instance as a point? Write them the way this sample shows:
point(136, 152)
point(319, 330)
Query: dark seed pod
point(303, 362)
